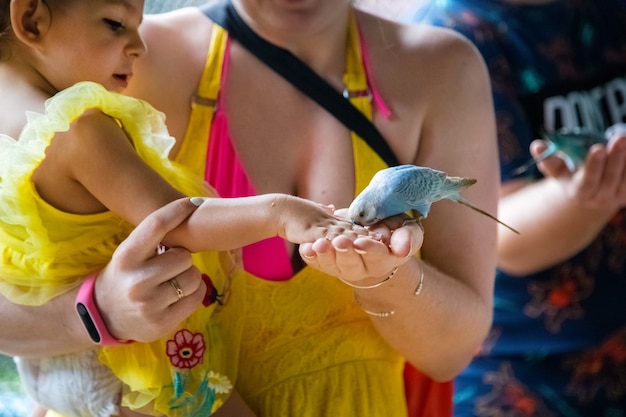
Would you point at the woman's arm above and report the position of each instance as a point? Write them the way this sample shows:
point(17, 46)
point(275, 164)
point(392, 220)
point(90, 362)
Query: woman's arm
point(52, 328)
point(562, 213)
point(439, 329)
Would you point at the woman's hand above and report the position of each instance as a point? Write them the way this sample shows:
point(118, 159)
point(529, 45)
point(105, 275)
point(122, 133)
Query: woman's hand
point(133, 292)
point(366, 260)
point(600, 183)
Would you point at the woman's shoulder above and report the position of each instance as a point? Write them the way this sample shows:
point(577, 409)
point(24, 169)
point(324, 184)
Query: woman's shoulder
point(176, 25)
point(168, 75)
point(419, 60)
point(178, 36)
point(416, 45)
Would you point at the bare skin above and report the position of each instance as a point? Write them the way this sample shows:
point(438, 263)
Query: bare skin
point(437, 87)
point(53, 46)
point(433, 125)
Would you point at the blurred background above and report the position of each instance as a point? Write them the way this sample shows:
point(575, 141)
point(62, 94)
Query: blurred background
point(392, 9)
point(13, 401)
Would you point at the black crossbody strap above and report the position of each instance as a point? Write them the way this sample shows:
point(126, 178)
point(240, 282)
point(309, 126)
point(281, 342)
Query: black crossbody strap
point(301, 76)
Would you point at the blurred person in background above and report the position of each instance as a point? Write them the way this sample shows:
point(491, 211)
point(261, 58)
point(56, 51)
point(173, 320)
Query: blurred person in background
point(557, 346)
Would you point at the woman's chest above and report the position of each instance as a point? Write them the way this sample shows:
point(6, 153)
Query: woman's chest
point(288, 144)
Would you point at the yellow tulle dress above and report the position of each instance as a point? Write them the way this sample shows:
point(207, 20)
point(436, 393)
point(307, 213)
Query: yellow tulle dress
point(46, 252)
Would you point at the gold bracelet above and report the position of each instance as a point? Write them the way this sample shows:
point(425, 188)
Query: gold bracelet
point(367, 287)
point(384, 314)
point(381, 314)
point(420, 284)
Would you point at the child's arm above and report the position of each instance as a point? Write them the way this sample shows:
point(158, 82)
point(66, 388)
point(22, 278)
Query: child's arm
point(93, 167)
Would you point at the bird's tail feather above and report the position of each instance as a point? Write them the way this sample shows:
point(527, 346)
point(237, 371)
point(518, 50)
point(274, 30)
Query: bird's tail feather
point(481, 211)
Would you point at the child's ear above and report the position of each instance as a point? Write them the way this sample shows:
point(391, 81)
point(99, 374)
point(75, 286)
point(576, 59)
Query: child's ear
point(30, 20)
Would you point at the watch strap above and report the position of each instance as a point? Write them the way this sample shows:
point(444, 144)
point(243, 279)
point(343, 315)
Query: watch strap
point(90, 315)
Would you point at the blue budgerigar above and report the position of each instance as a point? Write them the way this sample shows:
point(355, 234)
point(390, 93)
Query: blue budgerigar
point(402, 188)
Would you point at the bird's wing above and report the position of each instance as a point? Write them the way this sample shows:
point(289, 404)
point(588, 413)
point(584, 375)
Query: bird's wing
point(417, 186)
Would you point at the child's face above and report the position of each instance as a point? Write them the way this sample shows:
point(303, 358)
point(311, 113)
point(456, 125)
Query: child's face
point(93, 40)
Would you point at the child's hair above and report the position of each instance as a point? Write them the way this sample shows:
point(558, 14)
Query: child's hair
point(5, 21)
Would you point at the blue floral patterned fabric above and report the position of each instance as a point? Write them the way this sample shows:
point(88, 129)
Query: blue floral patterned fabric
point(558, 342)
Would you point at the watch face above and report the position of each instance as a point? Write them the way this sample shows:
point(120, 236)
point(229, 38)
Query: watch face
point(88, 322)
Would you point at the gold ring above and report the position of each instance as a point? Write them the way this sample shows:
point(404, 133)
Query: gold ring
point(179, 291)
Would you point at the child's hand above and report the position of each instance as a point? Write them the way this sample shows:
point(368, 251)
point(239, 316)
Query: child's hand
point(303, 221)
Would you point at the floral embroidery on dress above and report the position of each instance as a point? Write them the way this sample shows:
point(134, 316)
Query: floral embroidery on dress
point(186, 350)
point(219, 383)
point(211, 296)
point(198, 390)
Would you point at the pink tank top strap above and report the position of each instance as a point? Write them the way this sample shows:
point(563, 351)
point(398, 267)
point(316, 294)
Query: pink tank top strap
point(269, 259)
point(378, 101)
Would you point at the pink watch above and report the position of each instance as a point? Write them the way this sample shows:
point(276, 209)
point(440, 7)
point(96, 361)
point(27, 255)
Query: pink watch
point(90, 315)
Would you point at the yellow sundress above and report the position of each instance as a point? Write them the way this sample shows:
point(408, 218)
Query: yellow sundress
point(307, 349)
point(46, 252)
